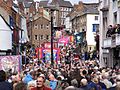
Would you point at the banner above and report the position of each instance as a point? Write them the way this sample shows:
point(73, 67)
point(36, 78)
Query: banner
point(71, 38)
point(79, 37)
point(10, 62)
point(47, 54)
point(48, 45)
point(64, 40)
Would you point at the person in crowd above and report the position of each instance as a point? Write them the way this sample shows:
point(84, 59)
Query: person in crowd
point(4, 85)
point(109, 31)
point(41, 84)
point(118, 82)
point(74, 83)
point(20, 86)
point(53, 82)
point(106, 81)
point(84, 84)
point(71, 88)
point(29, 77)
point(31, 85)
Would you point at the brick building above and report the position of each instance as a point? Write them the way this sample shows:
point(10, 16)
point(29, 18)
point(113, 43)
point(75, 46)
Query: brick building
point(39, 30)
point(63, 9)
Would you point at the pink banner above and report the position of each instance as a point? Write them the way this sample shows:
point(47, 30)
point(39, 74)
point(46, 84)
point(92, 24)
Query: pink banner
point(64, 40)
point(10, 62)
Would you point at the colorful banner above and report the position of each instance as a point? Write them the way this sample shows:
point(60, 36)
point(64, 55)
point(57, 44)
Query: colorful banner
point(10, 62)
point(64, 40)
point(48, 45)
point(39, 53)
point(79, 37)
point(71, 38)
point(47, 54)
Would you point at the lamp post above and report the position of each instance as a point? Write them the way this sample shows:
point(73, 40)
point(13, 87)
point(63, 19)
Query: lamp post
point(31, 24)
point(39, 48)
point(52, 61)
point(52, 9)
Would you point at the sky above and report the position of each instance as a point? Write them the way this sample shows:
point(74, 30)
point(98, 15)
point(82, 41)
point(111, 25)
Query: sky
point(76, 1)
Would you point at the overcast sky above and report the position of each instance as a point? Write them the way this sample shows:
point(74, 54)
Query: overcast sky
point(76, 1)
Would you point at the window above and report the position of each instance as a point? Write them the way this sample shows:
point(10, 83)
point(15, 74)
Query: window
point(47, 37)
point(41, 26)
point(30, 14)
point(96, 17)
point(35, 37)
point(28, 36)
point(36, 26)
point(27, 13)
point(41, 36)
point(47, 26)
point(95, 27)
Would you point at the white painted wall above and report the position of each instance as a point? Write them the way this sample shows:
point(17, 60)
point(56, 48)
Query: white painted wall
point(5, 35)
point(68, 24)
point(89, 34)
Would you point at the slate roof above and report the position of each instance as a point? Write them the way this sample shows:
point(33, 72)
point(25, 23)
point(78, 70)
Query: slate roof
point(27, 4)
point(15, 5)
point(91, 8)
point(61, 3)
point(25, 0)
point(43, 3)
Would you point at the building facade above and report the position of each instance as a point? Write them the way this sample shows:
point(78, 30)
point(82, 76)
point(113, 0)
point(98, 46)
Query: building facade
point(109, 46)
point(40, 29)
point(85, 24)
point(63, 8)
point(12, 13)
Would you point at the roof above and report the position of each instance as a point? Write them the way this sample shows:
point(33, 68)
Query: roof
point(85, 8)
point(63, 3)
point(25, 0)
point(27, 4)
point(91, 8)
point(15, 5)
point(43, 3)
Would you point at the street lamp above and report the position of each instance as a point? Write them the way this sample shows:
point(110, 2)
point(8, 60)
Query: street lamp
point(31, 24)
point(52, 9)
point(52, 61)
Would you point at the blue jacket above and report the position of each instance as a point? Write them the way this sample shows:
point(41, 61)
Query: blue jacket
point(53, 85)
point(27, 78)
point(92, 85)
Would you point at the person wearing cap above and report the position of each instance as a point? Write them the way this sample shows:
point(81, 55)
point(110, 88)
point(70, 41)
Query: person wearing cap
point(41, 84)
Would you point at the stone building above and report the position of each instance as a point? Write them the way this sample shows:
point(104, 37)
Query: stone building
point(85, 24)
point(109, 46)
point(40, 29)
point(12, 13)
point(59, 15)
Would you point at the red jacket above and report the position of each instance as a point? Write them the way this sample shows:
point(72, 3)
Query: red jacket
point(43, 88)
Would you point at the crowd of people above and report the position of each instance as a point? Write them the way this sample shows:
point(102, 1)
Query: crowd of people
point(79, 75)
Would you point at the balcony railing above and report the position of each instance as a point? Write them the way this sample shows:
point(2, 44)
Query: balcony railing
point(117, 39)
point(107, 42)
point(112, 41)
